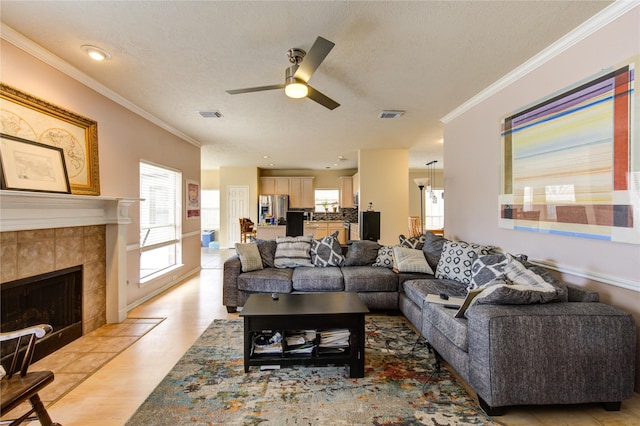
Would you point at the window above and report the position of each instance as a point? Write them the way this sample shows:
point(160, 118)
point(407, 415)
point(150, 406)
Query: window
point(160, 220)
point(210, 218)
point(434, 209)
point(326, 200)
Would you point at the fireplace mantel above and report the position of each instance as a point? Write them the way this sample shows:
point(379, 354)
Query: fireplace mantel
point(22, 211)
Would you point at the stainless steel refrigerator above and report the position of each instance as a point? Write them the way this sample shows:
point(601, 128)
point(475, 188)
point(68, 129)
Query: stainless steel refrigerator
point(275, 206)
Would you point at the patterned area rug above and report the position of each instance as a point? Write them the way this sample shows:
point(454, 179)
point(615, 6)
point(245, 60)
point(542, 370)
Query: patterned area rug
point(208, 386)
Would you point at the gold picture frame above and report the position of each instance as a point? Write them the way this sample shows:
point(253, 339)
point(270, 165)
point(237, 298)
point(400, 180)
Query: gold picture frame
point(32, 166)
point(27, 117)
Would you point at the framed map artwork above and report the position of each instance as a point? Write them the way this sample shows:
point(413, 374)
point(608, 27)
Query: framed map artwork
point(27, 117)
point(571, 161)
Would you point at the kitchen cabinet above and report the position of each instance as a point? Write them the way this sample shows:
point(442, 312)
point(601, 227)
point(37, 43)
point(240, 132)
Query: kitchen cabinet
point(301, 194)
point(346, 192)
point(323, 229)
point(274, 185)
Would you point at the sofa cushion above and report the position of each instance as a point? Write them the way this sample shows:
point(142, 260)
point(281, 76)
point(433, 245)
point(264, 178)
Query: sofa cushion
point(413, 242)
point(292, 252)
point(369, 279)
point(410, 260)
point(417, 290)
point(432, 248)
point(249, 256)
point(267, 249)
point(269, 280)
point(361, 253)
point(385, 257)
point(327, 251)
point(457, 259)
point(318, 279)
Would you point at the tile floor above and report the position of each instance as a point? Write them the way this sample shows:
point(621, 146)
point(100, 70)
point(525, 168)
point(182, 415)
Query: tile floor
point(113, 393)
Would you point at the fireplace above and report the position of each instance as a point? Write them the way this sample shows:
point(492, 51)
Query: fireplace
point(53, 298)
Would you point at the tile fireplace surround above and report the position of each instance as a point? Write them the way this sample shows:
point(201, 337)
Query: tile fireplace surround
point(42, 232)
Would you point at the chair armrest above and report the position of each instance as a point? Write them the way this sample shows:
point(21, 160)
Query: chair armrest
point(39, 330)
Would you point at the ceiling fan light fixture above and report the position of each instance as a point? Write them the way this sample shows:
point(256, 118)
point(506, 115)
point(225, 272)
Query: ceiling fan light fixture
point(295, 89)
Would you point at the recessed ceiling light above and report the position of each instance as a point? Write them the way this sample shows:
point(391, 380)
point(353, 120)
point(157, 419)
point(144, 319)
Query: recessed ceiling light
point(95, 52)
point(265, 157)
point(271, 164)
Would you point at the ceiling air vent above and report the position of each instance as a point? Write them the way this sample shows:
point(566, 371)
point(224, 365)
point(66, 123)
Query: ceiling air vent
point(390, 114)
point(210, 114)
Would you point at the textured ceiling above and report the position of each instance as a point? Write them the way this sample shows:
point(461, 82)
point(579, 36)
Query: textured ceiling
point(174, 58)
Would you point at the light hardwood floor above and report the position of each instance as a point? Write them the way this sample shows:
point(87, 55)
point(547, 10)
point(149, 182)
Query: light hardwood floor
point(111, 395)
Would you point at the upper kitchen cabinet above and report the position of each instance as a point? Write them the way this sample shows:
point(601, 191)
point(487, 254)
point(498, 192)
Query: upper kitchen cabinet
point(346, 192)
point(301, 194)
point(274, 185)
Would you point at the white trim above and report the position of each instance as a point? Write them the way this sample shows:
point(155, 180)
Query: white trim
point(163, 288)
point(191, 234)
point(587, 28)
point(593, 276)
point(12, 36)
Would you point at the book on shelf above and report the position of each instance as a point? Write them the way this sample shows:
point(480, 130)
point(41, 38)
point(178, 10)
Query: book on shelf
point(338, 338)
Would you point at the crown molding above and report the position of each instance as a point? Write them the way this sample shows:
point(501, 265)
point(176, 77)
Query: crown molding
point(584, 30)
point(12, 36)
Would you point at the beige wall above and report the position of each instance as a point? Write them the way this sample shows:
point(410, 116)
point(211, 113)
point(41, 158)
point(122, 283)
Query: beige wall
point(472, 152)
point(210, 179)
point(124, 138)
point(384, 182)
point(243, 176)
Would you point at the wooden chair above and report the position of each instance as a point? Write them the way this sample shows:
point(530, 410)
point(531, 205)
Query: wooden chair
point(18, 385)
point(247, 229)
point(414, 226)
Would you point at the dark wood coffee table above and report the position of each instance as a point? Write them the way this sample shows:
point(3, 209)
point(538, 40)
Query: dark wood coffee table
point(316, 311)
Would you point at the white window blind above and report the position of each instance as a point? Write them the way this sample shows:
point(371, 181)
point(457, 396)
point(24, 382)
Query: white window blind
point(158, 214)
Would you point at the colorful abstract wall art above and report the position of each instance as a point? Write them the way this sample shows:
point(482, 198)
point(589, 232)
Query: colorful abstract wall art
point(571, 162)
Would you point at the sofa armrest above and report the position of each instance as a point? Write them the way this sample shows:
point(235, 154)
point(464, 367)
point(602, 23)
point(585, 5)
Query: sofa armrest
point(555, 353)
point(232, 268)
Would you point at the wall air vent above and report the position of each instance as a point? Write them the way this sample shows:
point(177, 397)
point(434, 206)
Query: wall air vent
point(390, 114)
point(210, 114)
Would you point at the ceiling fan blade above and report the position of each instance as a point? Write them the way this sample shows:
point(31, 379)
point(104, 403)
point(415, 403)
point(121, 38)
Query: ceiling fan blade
point(255, 89)
point(320, 49)
point(322, 99)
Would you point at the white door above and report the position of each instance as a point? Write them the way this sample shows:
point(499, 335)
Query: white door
point(238, 206)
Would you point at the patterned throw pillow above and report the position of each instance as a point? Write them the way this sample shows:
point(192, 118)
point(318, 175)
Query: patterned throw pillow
point(413, 242)
point(520, 285)
point(385, 257)
point(292, 252)
point(410, 260)
point(486, 269)
point(457, 259)
point(327, 251)
point(249, 256)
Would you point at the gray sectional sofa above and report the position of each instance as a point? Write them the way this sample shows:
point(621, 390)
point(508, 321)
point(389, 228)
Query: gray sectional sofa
point(558, 345)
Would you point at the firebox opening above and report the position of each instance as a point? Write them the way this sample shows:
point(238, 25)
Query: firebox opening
point(53, 298)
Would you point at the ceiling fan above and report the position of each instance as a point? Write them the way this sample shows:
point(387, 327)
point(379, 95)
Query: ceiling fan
point(297, 75)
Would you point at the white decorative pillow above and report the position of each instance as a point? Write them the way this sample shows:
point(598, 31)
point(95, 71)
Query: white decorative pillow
point(292, 252)
point(249, 255)
point(385, 257)
point(410, 260)
point(457, 258)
